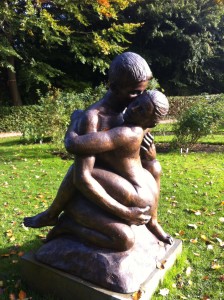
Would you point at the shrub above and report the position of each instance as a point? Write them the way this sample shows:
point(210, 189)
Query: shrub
point(56, 108)
point(179, 104)
point(49, 119)
point(201, 119)
point(14, 118)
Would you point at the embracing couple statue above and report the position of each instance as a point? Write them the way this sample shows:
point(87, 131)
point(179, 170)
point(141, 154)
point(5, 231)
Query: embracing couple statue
point(113, 186)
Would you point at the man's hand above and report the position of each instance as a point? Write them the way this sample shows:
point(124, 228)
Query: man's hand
point(138, 216)
point(148, 149)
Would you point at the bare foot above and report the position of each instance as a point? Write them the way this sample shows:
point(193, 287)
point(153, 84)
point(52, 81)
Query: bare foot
point(154, 227)
point(40, 220)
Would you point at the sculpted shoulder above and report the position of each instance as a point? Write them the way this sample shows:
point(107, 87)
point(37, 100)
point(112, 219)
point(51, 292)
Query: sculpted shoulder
point(130, 133)
point(89, 121)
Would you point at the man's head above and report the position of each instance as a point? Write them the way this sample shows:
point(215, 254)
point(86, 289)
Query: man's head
point(147, 110)
point(129, 74)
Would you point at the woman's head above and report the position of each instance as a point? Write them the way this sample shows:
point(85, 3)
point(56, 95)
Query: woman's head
point(147, 109)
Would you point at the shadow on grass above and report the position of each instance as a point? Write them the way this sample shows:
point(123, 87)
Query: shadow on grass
point(11, 142)
point(13, 155)
point(10, 272)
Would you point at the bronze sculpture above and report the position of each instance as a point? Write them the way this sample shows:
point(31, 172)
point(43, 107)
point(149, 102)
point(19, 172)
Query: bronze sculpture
point(108, 189)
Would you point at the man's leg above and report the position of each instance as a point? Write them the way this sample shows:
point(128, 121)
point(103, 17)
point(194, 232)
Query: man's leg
point(92, 225)
point(49, 217)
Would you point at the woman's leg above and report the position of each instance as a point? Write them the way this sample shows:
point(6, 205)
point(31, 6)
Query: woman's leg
point(119, 188)
point(154, 167)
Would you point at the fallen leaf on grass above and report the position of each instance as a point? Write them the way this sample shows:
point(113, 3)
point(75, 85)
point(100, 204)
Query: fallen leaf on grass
point(197, 213)
point(164, 292)
point(221, 278)
point(212, 213)
point(193, 226)
point(9, 233)
point(161, 265)
point(209, 247)
point(206, 277)
point(181, 232)
point(194, 241)
point(215, 266)
point(12, 239)
point(190, 282)
point(206, 297)
point(137, 295)
point(188, 271)
point(205, 239)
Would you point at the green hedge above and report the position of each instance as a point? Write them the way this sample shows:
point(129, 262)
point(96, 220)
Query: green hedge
point(14, 118)
point(179, 104)
point(49, 119)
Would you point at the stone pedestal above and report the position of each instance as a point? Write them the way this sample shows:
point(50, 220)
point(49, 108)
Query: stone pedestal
point(71, 270)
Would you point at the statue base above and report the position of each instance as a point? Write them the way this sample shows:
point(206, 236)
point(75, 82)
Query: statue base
point(96, 273)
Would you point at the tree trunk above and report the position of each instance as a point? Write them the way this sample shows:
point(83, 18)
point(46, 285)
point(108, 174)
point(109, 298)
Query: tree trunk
point(12, 83)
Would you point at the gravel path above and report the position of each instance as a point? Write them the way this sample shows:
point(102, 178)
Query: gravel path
point(9, 134)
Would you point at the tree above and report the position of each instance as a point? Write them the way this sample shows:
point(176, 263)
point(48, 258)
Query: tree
point(183, 41)
point(34, 30)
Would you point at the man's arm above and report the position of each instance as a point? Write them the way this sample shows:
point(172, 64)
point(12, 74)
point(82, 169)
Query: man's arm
point(98, 142)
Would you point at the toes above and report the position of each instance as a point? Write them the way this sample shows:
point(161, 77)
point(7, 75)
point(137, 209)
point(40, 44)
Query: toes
point(169, 240)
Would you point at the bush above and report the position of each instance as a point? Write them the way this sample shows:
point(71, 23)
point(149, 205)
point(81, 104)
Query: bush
point(201, 119)
point(56, 109)
point(179, 104)
point(14, 118)
point(49, 119)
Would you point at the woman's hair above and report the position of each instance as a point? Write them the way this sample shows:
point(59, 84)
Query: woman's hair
point(160, 102)
point(127, 68)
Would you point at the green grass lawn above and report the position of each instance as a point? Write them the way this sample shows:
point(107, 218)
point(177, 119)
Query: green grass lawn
point(191, 209)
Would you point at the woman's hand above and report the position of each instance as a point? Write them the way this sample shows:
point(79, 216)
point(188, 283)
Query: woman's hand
point(137, 215)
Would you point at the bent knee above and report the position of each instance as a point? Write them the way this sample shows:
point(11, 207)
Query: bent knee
point(126, 238)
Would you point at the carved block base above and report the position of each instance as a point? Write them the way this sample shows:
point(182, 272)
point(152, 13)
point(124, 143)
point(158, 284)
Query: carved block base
point(71, 270)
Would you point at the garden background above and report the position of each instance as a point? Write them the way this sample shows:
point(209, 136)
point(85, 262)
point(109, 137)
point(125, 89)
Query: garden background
point(54, 59)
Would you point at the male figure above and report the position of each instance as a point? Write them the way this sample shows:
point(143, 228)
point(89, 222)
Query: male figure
point(128, 77)
point(119, 171)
